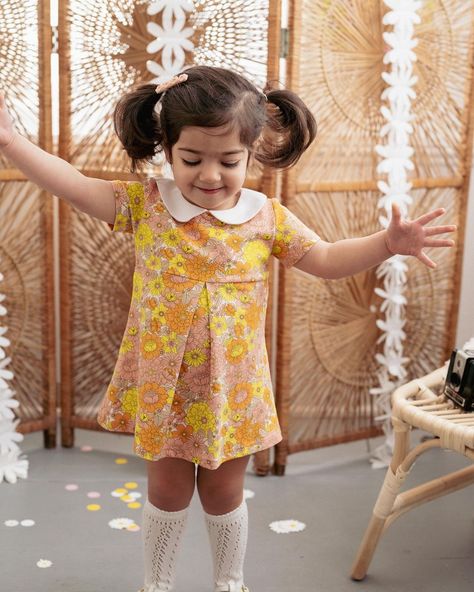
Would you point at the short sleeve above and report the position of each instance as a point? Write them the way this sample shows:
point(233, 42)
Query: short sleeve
point(129, 203)
point(293, 239)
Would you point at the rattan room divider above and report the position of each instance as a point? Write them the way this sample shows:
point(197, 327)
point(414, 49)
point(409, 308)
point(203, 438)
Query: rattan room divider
point(26, 223)
point(327, 333)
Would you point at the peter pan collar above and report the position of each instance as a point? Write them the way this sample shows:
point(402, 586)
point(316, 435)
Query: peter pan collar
point(249, 204)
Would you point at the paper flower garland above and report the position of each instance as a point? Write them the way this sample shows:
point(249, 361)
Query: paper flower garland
point(172, 38)
point(11, 466)
point(396, 162)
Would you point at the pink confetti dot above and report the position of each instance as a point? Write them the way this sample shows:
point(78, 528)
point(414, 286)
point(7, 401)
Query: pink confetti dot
point(93, 494)
point(86, 448)
point(71, 487)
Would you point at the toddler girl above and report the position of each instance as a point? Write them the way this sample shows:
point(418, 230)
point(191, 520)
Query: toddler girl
point(192, 380)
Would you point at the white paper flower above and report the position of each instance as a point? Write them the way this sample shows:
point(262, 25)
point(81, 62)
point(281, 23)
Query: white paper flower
point(12, 468)
point(287, 526)
point(171, 8)
point(44, 563)
point(173, 41)
point(249, 494)
point(121, 523)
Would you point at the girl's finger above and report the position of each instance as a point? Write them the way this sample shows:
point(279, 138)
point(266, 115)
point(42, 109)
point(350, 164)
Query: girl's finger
point(438, 242)
point(396, 215)
point(425, 218)
point(439, 229)
point(426, 260)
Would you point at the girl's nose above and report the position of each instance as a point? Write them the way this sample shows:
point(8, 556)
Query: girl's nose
point(209, 174)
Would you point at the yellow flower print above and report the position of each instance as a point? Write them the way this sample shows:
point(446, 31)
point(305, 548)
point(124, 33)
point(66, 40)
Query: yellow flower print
point(258, 389)
point(218, 325)
point(204, 299)
point(153, 262)
point(201, 417)
point(121, 222)
point(159, 313)
point(195, 357)
point(129, 401)
point(126, 346)
point(150, 346)
point(240, 316)
point(170, 343)
point(178, 264)
point(136, 194)
point(187, 249)
point(170, 297)
point(155, 286)
point(172, 237)
point(244, 298)
point(228, 292)
point(256, 252)
point(137, 290)
point(218, 233)
point(143, 236)
point(133, 331)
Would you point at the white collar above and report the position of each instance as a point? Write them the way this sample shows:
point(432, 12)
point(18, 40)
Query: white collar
point(249, 204)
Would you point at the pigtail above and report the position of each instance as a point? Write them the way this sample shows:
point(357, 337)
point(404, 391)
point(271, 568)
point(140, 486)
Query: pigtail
point(289, 130)
point(137, 125)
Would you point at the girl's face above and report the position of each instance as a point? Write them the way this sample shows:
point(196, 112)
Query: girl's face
point(209, 166)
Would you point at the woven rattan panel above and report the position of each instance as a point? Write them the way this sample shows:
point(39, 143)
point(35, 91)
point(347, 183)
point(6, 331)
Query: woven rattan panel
point(328, 338)
point(26, 222)
point(105, 53)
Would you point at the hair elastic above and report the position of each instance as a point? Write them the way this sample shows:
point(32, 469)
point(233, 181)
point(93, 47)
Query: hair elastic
point(164, 86)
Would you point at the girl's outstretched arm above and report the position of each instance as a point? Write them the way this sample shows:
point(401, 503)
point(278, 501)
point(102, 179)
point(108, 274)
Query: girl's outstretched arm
point(93, 196)
point(402, 237)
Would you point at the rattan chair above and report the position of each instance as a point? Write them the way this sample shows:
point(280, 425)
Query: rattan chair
point(416, 405)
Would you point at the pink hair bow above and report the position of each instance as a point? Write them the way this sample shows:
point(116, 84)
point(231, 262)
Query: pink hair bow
point(164, 86)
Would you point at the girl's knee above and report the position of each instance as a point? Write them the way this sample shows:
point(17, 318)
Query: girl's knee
point(219, 499)
point(171, 484)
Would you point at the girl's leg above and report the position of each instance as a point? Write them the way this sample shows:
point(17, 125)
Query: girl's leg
point(221, 494)
point(170, 489)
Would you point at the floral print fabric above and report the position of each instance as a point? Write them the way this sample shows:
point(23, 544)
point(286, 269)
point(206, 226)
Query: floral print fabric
point(192, 378)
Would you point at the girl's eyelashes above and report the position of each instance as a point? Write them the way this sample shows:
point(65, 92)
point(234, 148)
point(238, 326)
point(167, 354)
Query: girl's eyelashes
point(196, 162)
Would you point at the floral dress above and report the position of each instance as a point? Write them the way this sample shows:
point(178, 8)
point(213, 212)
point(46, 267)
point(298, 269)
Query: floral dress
point(192, 378)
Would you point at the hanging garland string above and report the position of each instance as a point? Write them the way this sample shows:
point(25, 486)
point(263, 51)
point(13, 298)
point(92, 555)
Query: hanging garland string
point(11, 466)
point(396, 155)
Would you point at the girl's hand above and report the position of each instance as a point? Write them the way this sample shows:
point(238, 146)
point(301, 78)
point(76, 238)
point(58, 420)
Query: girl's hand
point(7, 131)
point(409, 237)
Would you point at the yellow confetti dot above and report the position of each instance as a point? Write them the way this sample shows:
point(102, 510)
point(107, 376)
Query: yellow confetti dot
point(120, 491)
point(131, 485)
point(93, 507)
point(133, 527)
point(127, 498)
point(121, 461)
point(134, 505)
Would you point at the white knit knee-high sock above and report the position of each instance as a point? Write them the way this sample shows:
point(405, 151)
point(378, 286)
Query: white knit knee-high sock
point(228, 537)
point(162, 532)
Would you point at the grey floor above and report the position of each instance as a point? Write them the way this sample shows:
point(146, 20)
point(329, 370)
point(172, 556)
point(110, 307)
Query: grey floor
point(331, 490)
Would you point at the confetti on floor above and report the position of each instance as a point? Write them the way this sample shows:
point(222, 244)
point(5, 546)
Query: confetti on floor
point(248, 494)
point(11, 523)
point(286, 526)
point(43, 563)
point(131, 485)
point(93, 494)
point(124, 524)
point(86, 448)
point(71, 487)
point(119, 492)
point(94, 507)
point(27, 523)
point(121, 461)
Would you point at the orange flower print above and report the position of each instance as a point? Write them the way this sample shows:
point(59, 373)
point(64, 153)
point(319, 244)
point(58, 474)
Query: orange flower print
point(122, 422)
point(234, 241)
point(247, 433)
point(150, 346)
point(178, 317)
point(236, 350)
point(149, 438)
point(229, 309)
point(153, 397)
point(177, 283)
point(200, 268)
point(241, 395)
point(252, 316)
point(183, 432)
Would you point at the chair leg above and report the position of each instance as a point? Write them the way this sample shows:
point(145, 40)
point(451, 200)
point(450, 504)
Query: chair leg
point(383, 506)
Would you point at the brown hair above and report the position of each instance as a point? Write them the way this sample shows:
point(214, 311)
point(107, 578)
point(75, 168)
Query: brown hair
point(213, 97)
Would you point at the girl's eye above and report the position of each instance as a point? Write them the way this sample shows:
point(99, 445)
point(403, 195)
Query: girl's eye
point(230, 164)
point(191, 162)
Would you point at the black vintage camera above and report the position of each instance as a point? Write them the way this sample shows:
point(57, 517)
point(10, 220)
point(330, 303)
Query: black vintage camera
point(459, 386)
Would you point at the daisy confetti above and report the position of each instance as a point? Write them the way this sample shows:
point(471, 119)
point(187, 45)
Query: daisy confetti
point(286, 526)
point(121, 523)
point(44, 563)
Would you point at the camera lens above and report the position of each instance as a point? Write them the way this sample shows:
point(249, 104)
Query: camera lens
point(455, 379)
